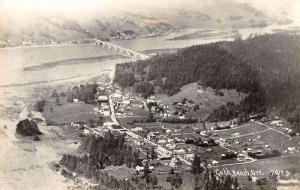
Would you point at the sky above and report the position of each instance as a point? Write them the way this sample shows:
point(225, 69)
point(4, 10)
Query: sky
point(71, 6)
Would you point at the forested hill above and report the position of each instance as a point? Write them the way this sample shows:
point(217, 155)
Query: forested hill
point(266, 67)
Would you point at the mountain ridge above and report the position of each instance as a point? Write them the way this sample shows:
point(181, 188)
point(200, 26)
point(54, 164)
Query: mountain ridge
point(61, 28)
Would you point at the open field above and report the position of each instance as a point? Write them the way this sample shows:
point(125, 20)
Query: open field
point(265, 138)
point(120, 172)
point(282, 163)
point(68, 112)
point(242, 130)
point(214, 154)
point(205, 97)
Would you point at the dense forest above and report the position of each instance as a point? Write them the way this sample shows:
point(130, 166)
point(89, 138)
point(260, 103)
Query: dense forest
point(266, 67)
point(100, 152)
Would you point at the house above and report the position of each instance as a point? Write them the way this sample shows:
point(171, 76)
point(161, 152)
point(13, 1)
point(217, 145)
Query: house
point(261, 154)
point(228, 155)
point(161, 141)
point(148, 101)
point(168, 131)
point(126, 102)
point(117, 96)
point(139, 168)
point(105, 111)
point(221, 127)
point(86, 132)
point(171, 146)
point(258, 116)
point(181, 117)
point(137, 129)
point(214, 162)
point(189, 156)
point(277, 123)
point(102, 99)
point(151, 136)
point(180, 151)
point(203, 133)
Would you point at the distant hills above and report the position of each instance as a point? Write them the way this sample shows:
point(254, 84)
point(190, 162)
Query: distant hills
point(28, 27)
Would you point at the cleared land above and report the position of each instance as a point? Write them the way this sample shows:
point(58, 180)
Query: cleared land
point(68, 112)
point(205, 97)
point(242, 130)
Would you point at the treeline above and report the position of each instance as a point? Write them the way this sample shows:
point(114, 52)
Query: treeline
point(266, 67)
point(84, 93)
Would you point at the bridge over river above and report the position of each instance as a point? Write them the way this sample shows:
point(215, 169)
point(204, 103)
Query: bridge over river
point(121, 50)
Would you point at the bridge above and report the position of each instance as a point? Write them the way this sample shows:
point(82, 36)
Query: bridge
point(121, 50)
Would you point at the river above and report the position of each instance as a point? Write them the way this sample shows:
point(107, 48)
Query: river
point(43, 64)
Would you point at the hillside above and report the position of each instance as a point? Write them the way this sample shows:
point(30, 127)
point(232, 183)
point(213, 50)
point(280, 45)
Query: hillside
point(29, 27)
point(266, 67)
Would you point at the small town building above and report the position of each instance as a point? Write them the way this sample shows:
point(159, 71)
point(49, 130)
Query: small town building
point(102, 99)
point(137, 129)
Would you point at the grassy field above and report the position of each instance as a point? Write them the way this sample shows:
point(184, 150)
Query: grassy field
point(242, 130)
point(214, 154)
point(269, 137)
point(267, 165)
point(204, 97)
point(120, 172)
point(68, 112)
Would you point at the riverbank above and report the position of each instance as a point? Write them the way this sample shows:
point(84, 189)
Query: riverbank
point(24, 163)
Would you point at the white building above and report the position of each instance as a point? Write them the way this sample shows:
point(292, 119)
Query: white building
point(136, 129)
point(180, 151)
point(103, 98)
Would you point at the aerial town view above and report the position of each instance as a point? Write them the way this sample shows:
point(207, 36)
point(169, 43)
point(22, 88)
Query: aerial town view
point(166, 95)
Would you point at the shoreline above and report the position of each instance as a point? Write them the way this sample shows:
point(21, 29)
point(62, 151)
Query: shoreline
point(140, 37)
point(21, 158)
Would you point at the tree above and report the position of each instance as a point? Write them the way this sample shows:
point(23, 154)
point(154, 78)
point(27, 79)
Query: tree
point(196, 167)
point(39, 105)
point(28, 128)
point(57, 101)
point(100, 121)
point(172, 171)
point(235, 183)
point(174, 180)
point(153, 154)
point(54, 93)
point(92, 123)
point(146, 169)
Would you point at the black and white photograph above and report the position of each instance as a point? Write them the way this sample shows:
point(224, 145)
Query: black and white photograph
point(150, 95)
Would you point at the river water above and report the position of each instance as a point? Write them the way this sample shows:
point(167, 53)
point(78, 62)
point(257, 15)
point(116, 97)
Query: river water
point(30, 65)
